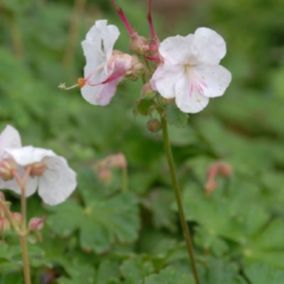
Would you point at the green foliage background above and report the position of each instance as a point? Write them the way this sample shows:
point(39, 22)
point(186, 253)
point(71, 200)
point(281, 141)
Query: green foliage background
point(105, 236)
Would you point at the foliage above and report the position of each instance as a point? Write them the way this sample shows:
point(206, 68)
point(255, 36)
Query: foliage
point(106, 236)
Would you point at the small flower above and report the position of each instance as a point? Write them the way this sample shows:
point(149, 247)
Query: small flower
point(48, 173)
point(105, 68)
point(190, 71)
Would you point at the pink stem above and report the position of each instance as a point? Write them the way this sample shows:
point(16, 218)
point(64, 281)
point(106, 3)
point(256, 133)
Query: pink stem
point(153, 33)
point(124, 19)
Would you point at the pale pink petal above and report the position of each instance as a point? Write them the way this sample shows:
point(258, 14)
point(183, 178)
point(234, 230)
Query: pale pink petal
point(165, 78)
point(58, 181)
point(101, 94)
point(28, 155)
point(99, 42)
point(189, 97)
point(9, 138)
point(213, 79)
point(177, 49)
point(209, 46)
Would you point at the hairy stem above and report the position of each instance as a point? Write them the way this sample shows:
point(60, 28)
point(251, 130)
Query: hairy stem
point(16, 37)
point(25, 256)
point(178, 195)
point(23, 235)
point(73, 34)
point(124, 180)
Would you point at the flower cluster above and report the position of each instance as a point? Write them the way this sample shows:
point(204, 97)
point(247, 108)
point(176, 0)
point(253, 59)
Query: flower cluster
point(30, 169)
point(187, 67)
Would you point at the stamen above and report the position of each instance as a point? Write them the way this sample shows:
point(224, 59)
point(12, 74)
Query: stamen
point(63, 86)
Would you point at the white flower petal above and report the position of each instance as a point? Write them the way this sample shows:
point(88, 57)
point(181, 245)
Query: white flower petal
point(99, 42)
point(28, 155)
point(58, 181)
point(101, 94)
point(177, 49)
point(209, 46)
point(165, 78)
point(9, 138)
point(189, 99)
point(214, 79)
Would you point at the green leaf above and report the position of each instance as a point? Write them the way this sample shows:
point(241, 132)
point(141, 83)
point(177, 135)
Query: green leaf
point(77, 272)
point(135, 269)
point(169, 276)
point(262, 274)
point(219, 272)
point(145, 106)
point(176, 116)
point(101, 223)
point(108, 272)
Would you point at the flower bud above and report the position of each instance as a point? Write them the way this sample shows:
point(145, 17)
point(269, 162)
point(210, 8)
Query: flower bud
point(226, 170)
point(139, 44)
point(147, 89)
point(125, 64)
point(216, 169)
point(4, 224)
point(37, 169)
point(2, 196)
point(104, 175)
point(154, 125)
point(117, 161)
point(211, 185)
point(6, 169)
point(36, 224)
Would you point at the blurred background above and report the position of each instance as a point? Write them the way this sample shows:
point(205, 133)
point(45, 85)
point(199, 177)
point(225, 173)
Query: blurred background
point(238, 229)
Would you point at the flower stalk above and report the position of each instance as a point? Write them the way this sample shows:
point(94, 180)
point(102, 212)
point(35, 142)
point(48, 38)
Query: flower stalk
point(178, 195)
point(23, 234)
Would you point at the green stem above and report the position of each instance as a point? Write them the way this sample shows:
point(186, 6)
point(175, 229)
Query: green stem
point(73, 33)
point(124, 181)
point(178, 195)
point(25, 256)
point(22, 182)
point(23, 237)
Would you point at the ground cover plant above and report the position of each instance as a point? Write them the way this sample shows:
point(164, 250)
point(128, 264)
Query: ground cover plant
point(122, 223)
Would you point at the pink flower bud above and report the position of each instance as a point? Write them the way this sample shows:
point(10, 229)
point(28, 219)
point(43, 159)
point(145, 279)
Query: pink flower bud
point(147, 89)
point(4, 224)
point(117, 161)
point(37, 169)
point(6, 169)
point(2, 196)
point(154, 125)
point(139, 44)
point(36, 224)
point(104, 175)
point(124, 64)
point(217, 168)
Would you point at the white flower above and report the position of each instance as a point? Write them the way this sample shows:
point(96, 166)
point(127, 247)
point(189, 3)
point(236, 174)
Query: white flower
point(49, 173)
point(191, 72)
point(104, 68)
